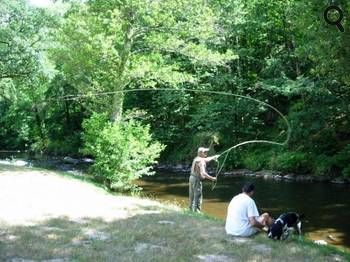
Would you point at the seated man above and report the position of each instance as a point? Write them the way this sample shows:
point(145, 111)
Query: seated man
point(242, 215)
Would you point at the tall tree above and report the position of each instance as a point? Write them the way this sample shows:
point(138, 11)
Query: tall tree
point(109, 45)
point(22, 30)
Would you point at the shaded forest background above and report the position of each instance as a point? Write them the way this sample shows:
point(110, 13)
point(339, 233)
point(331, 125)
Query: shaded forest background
point(54, 61)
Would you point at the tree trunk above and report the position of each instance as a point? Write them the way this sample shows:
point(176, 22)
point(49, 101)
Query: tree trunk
point(289, 43)
point(39, 123)
point(118, 99)
point(67, 114)
point(117, 112)
point(238, 59)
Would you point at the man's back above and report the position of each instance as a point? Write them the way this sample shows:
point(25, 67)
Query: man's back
point(240, 209)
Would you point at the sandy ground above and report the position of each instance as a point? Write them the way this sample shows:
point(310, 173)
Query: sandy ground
point(28, 197)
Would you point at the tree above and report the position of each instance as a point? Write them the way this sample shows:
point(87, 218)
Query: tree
point(108, 46)
point(22, 31)
point(24, 71)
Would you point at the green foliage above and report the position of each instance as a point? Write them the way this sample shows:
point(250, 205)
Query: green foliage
point(342, 160)
point(298, 162)
point(254, 160)
point(123, 151)
point(22, 34)
point(264, 157)
point(280, 52)
point(107, 46)
point(323, 165)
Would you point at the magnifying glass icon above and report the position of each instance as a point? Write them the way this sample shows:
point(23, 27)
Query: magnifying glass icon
point(336, 9)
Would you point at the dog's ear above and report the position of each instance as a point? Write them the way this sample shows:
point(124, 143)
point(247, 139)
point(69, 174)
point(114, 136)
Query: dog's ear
point(301, 216)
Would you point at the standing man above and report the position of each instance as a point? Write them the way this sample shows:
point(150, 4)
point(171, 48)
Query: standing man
point(198, 174)
point(242, 215)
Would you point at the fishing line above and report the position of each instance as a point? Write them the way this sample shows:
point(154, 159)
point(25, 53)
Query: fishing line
point(227, 151)
point(75, 97)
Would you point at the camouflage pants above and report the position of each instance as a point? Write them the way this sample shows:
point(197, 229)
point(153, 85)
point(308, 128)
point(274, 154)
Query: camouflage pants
point(195, 194)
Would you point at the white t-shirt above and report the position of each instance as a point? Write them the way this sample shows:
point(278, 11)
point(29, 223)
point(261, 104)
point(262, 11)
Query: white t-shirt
point(239, 210)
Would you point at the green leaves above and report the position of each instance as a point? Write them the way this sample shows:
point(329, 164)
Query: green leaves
point(280, 52)
point(107, 46)
point(123, 151)
point(22, 37)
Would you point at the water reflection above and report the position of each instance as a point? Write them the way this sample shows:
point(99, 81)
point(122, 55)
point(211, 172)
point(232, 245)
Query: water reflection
point(327, 206)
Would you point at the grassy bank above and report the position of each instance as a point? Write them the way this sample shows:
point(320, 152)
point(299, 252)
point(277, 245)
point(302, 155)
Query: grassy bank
point(119, 228)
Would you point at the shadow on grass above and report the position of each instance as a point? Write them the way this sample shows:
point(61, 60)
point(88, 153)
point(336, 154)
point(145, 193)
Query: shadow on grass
point(167, 236)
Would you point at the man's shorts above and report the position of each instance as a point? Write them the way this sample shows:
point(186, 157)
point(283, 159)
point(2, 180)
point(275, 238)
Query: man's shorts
point(250, 231)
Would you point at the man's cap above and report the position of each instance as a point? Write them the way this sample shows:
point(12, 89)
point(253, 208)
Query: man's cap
point(203, 149)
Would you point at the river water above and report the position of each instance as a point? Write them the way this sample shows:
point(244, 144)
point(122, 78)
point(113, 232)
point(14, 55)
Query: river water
point(326, 206)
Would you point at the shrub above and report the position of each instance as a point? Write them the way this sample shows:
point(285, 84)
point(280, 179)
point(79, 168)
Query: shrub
point(323, 164)
point(291, 162)
point(68, 145)
point(256, 159)
point(342, 160)
point(253, 162)
point(123, 151)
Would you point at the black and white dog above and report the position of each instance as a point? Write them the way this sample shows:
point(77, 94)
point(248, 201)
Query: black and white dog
point(284, 224)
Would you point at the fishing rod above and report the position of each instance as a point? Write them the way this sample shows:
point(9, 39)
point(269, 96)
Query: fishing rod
point(227, 151)
point(75, 97)
point(219, 168)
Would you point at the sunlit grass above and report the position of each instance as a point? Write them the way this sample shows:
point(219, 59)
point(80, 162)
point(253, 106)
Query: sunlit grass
point(105, 227)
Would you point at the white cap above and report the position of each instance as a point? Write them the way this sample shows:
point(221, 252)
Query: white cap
point(203, 149)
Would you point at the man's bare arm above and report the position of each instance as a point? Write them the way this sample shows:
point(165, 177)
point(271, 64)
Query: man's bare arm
point(204, 174)
point(255, 223)
point(211, 158)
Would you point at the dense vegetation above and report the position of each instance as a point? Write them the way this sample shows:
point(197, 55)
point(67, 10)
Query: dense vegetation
point(54, 61)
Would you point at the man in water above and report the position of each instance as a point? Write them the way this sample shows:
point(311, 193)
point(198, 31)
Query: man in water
point(242, 215)
point(198, 174)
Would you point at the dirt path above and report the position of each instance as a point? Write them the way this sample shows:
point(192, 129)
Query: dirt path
point(29, 196)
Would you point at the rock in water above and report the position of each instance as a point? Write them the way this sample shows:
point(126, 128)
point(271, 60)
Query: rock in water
point(70, 160)
point(321, 242)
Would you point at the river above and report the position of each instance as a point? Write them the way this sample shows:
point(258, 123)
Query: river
point(326, 206)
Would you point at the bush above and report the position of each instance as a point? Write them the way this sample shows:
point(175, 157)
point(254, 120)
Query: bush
point(123, 151)
point(342, 160)
point(298, 162)
point(254, 161)
point(323, 165)
point(255, 158)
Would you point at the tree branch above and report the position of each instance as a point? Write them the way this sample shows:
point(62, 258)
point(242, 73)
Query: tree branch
point(14, 75)
point(4, 42)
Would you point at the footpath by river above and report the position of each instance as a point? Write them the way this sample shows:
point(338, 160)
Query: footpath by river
point(326, 205)
point(53, 216)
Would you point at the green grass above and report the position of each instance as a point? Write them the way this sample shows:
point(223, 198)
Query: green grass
point(184, 236)
point(143, 238)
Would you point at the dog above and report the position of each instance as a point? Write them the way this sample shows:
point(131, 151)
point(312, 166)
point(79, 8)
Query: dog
point(284, 225)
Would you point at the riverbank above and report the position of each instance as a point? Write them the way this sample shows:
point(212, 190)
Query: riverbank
point(265, 174)
point(79, 166)
point(55, 216)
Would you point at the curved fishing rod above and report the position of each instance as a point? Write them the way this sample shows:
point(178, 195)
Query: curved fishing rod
point(74, 97)
point(219, 168)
